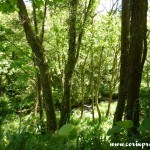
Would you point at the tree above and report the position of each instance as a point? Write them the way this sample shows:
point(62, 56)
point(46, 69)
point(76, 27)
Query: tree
point(133, 55)
point(74, 41)
point(137, 56)
point(66, 103)
point(36, 45)
point(125, 30)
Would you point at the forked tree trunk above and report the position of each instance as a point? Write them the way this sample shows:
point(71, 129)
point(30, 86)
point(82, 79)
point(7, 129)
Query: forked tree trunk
point(136, 59)
point(42, 63)
point(73, 53)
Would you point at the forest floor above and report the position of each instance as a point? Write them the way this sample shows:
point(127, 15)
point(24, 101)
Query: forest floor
point(22, 132)
point(26, 127)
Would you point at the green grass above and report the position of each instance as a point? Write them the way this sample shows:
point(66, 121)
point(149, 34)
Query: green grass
point(19, 132)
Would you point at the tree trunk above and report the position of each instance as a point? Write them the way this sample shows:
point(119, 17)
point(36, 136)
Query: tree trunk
point(125, 29)
point(138, 30)
point(82, 85)
point(39, 96)
point(91, 83)
point(42, 63)
point(1, 87)
point(112, 80)
point(73, 53)
point(97, 85)
point(69, 68)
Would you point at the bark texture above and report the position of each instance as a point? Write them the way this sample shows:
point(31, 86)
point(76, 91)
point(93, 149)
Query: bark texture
point(135, 67)
point(125, 30)
point(39, 52)
point(69, 68)
point(75, 41)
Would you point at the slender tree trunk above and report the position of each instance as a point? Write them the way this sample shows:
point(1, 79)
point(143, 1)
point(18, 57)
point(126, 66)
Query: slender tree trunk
point(39, 103)
point(1, 84)
point(112, 80)
point(92, 84)
point(138, 30)
point(42, 63)
point(97, 85)
point(69, 68)
point(125, 29)
point(147, 77)
point(82, 82)
point(39, 95)
point(82, 86)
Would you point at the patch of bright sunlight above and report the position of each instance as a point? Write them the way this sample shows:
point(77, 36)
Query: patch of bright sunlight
point(12, 126)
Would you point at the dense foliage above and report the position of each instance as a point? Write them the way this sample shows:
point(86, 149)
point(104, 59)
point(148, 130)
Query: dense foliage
point(94, 82)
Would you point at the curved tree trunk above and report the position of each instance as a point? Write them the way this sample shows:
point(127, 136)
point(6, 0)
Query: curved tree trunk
point(42, 63)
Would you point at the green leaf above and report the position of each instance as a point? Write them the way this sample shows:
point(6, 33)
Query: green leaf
point(8, 6)
point(39, 3)
point(65, 130)
point(145, 125)
point(125, 124)
point(73, 134)
point(114, 129)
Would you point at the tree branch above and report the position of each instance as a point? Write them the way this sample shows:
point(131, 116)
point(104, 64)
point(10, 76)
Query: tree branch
point(34, 16)
point(87, 12)
point(32, 39)
point(43, 23)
